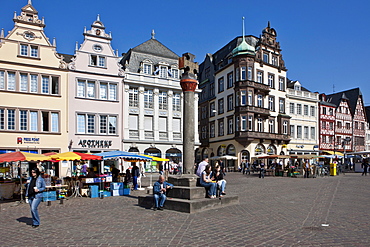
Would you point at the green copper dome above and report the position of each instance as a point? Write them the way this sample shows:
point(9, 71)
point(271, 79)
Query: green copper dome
point(244, 48)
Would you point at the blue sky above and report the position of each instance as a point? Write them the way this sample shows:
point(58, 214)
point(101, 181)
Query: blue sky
point(324, 43)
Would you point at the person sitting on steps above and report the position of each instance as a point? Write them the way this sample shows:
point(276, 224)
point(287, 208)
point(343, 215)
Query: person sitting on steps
point(206, 181)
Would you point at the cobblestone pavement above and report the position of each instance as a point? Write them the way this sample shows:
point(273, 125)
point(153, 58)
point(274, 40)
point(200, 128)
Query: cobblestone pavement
point(275, 211)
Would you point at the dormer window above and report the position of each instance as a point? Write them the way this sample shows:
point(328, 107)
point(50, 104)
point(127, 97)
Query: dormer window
point(97, 48)
point(147, 69)
point(175, 73)
point(97, 61)
point(274, 61)
point(266, 57)
point(297, 87)
point(163, 71)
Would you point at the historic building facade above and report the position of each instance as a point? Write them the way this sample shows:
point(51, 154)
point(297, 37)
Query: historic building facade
point(33, 88)
point(303, 108)
point(153, 101)
point(326, 124)
point(95, 94)
point(245, 105)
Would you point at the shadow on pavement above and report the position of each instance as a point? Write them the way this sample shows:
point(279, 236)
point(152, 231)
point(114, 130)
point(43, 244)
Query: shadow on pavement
point(26, 220)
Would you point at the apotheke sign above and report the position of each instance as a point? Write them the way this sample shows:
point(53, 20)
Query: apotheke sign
point(95, 143)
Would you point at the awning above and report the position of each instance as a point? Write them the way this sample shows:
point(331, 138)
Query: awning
point(334, 153)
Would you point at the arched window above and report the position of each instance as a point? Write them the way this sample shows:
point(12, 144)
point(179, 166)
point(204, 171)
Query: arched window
point(260, 149)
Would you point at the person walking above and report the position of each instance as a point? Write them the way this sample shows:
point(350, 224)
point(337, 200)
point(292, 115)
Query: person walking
point(262, 170)
point(36, 185)
point(159, 191)
point(365, 166)
point(135, 174)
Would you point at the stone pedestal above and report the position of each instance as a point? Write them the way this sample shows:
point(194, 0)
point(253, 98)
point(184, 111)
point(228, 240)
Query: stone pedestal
point(187, 197)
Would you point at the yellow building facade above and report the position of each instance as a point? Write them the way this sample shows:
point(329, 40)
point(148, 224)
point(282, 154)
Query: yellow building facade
point(33, 88)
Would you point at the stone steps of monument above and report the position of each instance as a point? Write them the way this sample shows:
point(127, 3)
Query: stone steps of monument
point(190, 206)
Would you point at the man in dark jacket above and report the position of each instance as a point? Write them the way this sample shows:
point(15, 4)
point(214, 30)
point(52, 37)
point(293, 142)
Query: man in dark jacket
point(159, 191)
point(135, 174)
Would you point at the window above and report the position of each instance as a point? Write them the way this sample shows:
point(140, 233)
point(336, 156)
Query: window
point(163, 71)
point(282, 105)
point(271, 80)
point(331, 112)
point(176, 102)
point(299, 109)
point(33, 121)
point(54, 122)
point(297, 87)
point(306, 132)
point(220, 106)
point(312, 111)
point(260, 76)
point(212, 89)
point(281, 84)
point(81, 89)
point(133, 97)
point(2, 80)
point(212, 134)
point(237, 74)
point(230, 102)
point(11, 81)
point(112, 91)
point(162, 99)
point(2, 119)
point(250, 73)
point(221, 127)
point(175, 73)
point(112, 125)
point(11, 119)
point(220, 84)
point(29, 50)
point(274, 61)
point(147, 69)
point(81, 123)
point(148, 99)
point(266, 57)
point(34, 84)
point(22, 120)
point(259, 125)
point(243, 97)
point(271, 103)
point(324, 110)
point(250, 123)
point(230, 126)
point(243, 73)
point(237, 122)
point(259, 100)
point(331, 126)
point(97, 61)
point(292, 128)
point(356, 125)
point(230, 80)
point(271, 126)
point(91, 89)
point(24, 82)
point(305, 110)
point(285, 127)
point(243, 126)
point(299, 132)
point(45, 84)
point(103, 91)
point(91, 124)
point(323, 125)
point(45, 124)
point(250, 97)
point(313, 133)
point(103, 124)
point(348, 126)
point(291, 108)
point(212, 108)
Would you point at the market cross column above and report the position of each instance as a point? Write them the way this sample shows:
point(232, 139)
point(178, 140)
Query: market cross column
point(188, 82)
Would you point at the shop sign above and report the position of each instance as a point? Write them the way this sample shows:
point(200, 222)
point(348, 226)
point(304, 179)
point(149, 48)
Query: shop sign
point(173, 155)
point(95, 143)
point(28, 140)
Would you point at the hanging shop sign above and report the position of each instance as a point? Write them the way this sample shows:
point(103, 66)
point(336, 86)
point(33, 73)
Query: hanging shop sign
point(95, 143)
point(28, 140)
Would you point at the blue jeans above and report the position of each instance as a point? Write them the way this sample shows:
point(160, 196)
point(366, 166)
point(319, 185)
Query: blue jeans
point(135, 182)
point(210, 186)
point(222, 185)
point(159, 200)
point(34, 203)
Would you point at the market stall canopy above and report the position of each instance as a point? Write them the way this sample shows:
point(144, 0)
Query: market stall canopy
point(74, 156)
point(155, 158)
point(274, 156)
point(224, 157)
point(127, 156)
point(22, 156)
point(304, 156)
point(334, 153)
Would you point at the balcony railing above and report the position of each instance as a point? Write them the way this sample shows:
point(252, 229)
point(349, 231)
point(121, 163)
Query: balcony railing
point(254, 109)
